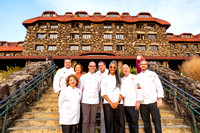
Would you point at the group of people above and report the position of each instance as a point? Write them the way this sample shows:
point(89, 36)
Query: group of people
point(80, 95)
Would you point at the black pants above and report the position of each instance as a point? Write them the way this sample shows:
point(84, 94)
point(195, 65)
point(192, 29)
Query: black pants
point(145, 110)
point(114, 119)
point(132, 117)
point(69, 128)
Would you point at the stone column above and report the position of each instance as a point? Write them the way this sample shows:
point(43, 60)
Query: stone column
point(166, 64)
point(120, 63)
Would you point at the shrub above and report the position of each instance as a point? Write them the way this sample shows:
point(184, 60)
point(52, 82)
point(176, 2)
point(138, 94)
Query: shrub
point(191, 68)
point(8, 72)
point(132, 70)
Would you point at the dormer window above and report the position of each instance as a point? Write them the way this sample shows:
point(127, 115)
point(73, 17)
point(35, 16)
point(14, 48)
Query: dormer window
point(113, 15)
point(186, 36)
point(97, 14)
point(68, 14)
point(125, 14)
point(169, 35)
point(81, 14)
point(144, 16)
point(49, 14)
point(3, 44)
point(20, 44)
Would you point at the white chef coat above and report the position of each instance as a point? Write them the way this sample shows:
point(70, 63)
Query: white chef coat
point(90, 84)
point(102, 75)
point(108, 87)
point(69, 106)
point(59, 81)
point(151, 86)
point(132, 93)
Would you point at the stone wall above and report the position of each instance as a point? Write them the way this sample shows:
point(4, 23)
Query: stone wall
point(185, 83)
point(97, 42)
point(18, 79)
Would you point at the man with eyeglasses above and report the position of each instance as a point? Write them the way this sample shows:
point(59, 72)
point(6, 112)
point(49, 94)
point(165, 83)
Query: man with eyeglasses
point(152, 98)
point(59, 81)
point(90, 84)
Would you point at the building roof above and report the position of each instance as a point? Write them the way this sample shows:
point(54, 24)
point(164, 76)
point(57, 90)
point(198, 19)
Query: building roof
point(96, 18)
point(11, 46)
point(180, 38)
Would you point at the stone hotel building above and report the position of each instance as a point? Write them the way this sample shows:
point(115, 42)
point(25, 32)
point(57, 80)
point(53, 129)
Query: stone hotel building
point(85, 37)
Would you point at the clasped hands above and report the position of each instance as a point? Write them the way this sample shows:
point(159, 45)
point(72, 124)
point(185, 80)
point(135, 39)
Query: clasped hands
point(114, 105)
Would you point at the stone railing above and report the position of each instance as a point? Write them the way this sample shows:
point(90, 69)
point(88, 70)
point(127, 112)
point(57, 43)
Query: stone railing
point(18, 79)
point(185, 83)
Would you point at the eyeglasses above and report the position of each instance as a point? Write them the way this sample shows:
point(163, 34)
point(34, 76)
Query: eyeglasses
point(92, 66)
point(112, 67)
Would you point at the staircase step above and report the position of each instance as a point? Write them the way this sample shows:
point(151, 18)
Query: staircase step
point(57, 129)
point(46, 103)
point(49, 98)
point(40, 115)
point(44, 109)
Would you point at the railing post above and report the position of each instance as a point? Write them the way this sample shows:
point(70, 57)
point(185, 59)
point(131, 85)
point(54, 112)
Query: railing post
point(193, 118)
point(5, 117)
point(38, 95)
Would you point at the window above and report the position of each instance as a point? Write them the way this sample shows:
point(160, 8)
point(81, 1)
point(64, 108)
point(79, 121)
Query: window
point(139, 26)
point(152, 36)
point(87, 25)
point(174, 54)
point(120, 47)
point(169, 35)
point(141, 47)
point(3, 44)
point(144, 16)
point(53, 35)
point(107, 36)
point(20, 44)
point(74, 35)
point(49, 15)
point(119, 26)
point(97, 14)
point(173, 45)
point(41, 35)
point(187, 54)
point(113, 15)
point(52, 47)
point(185, 46)
point(86, 36)
point(195, 45)
point(197, 54)
point(39, 47)
point(75, 25)
point(6, 54)
point(42, 25)
point(73, 47)
point(126, 14)
point(150, 26)
point(154, 48)
point(107, 47)
point(86, 47)
point(81, 14)
point(107, 26)
point(186, 36)
point(119, 36)
point(141, 36)
point(54, 26)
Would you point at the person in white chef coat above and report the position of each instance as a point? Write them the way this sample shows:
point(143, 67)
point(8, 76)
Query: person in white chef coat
point(113, 103)
point(69, 105)
point(89, 84)
point(132, 98)
point(61, 75)
point(152, 98)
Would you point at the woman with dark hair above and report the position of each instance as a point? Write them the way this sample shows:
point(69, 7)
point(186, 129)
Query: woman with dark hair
point(113, 103)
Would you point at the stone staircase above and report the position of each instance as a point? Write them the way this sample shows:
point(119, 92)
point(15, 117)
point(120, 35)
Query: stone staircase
point(43, 116)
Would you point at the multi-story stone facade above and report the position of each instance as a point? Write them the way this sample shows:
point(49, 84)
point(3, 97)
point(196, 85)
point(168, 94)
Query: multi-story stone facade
point(73, 34)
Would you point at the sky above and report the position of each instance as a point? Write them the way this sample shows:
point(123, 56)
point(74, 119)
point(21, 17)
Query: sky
point(184, 15)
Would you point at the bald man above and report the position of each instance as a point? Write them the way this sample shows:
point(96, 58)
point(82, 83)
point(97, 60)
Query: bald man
point(132, 97)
